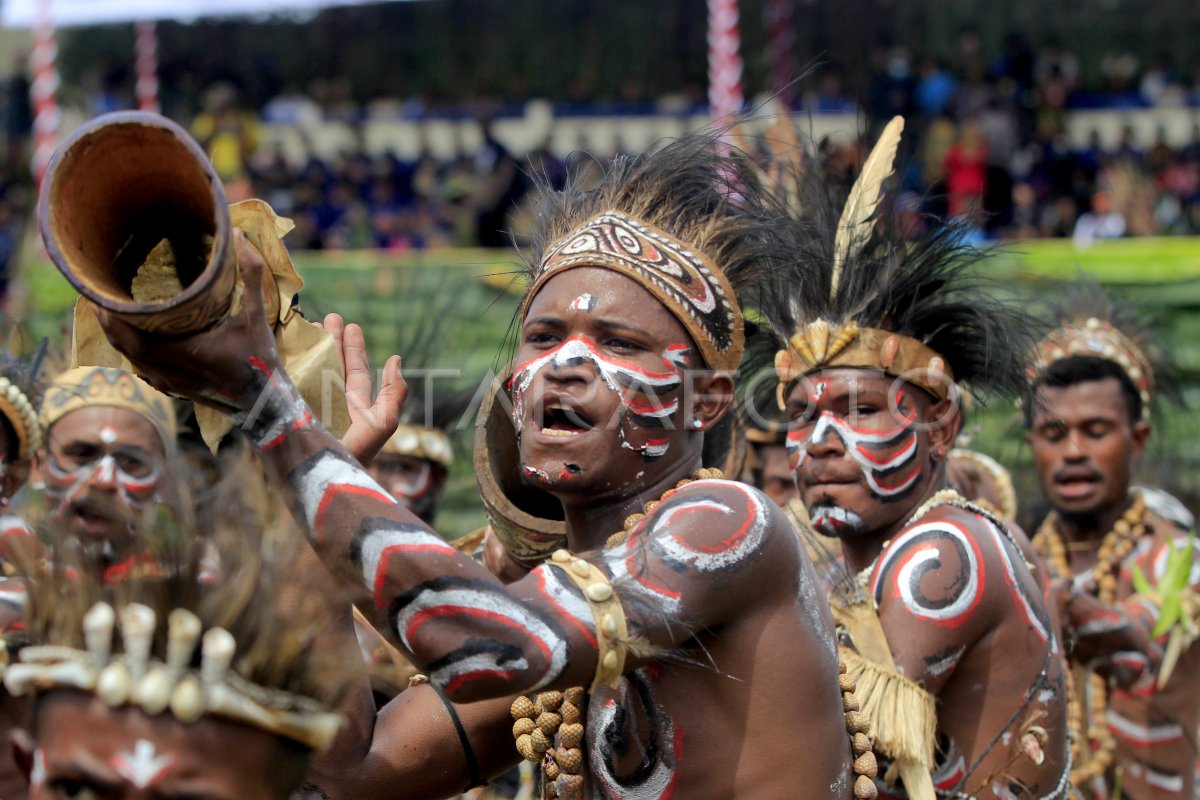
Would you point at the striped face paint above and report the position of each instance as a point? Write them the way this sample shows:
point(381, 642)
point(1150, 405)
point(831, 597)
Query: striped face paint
point(144, 767)
point(887, 457)
point(134, 478)
point(584, 302)
point(644, 408)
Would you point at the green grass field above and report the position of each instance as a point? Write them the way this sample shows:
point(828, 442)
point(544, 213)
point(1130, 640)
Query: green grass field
point(457, 300)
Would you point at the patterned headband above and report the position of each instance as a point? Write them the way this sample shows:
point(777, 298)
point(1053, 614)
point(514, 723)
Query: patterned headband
point(1097, 338)
point(83, 387)
point(135, 678)
point(687, 283)
point(823, 345)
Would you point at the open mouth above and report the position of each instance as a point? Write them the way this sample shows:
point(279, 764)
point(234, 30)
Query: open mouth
point(1076, 485)
point(558, 420)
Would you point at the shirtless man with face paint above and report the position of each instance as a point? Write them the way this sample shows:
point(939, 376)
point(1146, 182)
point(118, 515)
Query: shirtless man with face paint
point(628, 337)
point(942, 619)
point(108, 438)
point(1088, 423)
point(169, 687)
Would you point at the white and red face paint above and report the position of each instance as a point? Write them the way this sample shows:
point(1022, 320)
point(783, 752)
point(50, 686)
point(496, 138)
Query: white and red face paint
point(144, 767)
point(887, 457)
point(136, 488)
point(643, 409)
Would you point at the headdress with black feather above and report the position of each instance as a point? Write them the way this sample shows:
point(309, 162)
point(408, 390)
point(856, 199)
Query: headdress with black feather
point(684, 220)
point(863, 288)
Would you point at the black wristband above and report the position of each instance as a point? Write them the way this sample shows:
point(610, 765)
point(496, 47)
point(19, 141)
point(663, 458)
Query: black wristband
point(468, 752)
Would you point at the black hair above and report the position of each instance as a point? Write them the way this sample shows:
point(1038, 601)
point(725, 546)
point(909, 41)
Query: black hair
point(1074, 370)
point(916, 279)
point(696, 188)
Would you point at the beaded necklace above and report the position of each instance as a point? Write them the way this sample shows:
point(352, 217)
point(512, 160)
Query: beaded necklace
point(1093, 762)
point(549, 729)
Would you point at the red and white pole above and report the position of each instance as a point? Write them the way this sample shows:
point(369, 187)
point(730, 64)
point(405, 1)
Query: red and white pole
point(781, 48)
point(44, 90)
point(146, 46)
point(724, 60)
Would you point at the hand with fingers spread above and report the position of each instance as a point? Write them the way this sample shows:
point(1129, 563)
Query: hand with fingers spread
point(372, 422)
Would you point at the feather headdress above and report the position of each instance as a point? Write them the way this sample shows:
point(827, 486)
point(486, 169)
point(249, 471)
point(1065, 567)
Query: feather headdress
point(861, 289)
point(683, 220)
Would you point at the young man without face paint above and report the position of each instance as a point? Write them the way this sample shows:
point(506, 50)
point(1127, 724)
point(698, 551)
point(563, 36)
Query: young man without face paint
point(1087, 414)
point(680, 585)
point(943, 622)
point(165, 686)
point(108, 435)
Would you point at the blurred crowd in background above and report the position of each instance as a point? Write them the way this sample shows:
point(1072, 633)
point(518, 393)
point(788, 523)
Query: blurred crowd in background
point(986, 138)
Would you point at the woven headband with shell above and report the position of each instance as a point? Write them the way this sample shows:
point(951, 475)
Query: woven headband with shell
point(135, 678)
point(1097, 338)
point(822, 343)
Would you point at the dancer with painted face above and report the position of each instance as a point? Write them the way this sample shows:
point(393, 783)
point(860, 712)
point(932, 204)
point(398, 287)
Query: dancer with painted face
point(108, 438)
point(677, 585)
point(943, 623)
point(168, 686)
point(1093, 380)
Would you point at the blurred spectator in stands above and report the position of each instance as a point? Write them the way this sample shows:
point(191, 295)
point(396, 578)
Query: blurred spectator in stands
point(1161, 85)
point(227, 133)
point(966, 171)
point(935, 88)
point(18, 116)
point(1056, 64)
point(891, 82)
point(1102, 222)
point(500, 187)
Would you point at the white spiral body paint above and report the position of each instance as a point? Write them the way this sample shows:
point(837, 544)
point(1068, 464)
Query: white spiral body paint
point(744, 541)
point(917, 547)
point(466, 603)
point(1161, 781)
point(329, 477)
point(659, 784)
point(627, 565)
point(859, 443)
point(144, 766)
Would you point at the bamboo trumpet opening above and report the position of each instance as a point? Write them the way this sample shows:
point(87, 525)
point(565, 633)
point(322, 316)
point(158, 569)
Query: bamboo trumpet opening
point(118, 187)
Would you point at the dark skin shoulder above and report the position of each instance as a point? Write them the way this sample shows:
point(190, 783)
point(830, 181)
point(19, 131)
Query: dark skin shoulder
point(696, 557)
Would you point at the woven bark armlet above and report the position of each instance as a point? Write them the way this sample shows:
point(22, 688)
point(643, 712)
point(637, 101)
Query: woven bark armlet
point(612, 633)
